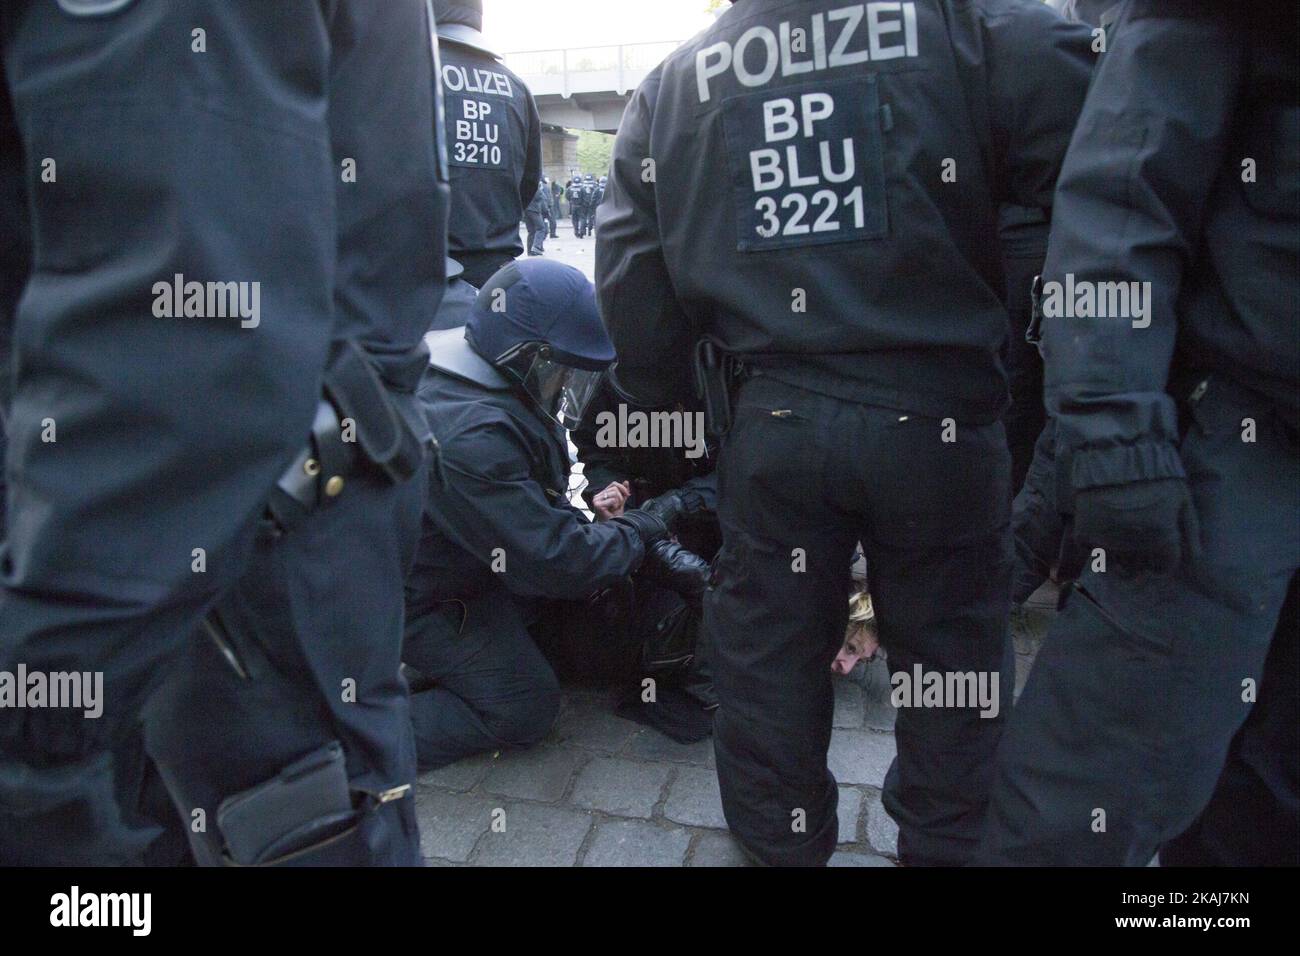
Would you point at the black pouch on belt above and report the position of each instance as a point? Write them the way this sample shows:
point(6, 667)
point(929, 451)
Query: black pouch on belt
point(716, 374)
point(303, 806)
point(356, 426)
point(386, 439)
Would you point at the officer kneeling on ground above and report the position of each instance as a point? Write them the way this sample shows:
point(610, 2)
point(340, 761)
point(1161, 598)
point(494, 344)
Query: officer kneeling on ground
point(500, 538)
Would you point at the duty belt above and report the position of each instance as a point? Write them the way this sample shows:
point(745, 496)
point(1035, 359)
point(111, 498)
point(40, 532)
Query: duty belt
point(356, 427)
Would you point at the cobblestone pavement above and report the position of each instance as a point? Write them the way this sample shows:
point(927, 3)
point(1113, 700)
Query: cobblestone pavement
point(604, 791)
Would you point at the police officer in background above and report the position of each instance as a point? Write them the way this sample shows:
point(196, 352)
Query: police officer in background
point(589, 200)
point(535, 218)
point(845, 292)
point(549, 209)
point(1178, 439)
point(184, 430)
point(557, 194)
point(494, 144)
point(577, 208)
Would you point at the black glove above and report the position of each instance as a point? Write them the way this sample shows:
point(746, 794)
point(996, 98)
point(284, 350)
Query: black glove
point(670, 565)
point(1142, 525)
point(668, 507)
point(647, 524)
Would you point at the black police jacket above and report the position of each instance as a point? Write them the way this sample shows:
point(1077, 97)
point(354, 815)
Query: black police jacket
point(1182, 188)
point(495, 156)
point(497, 511)
point(817, 185)
point(541, 202)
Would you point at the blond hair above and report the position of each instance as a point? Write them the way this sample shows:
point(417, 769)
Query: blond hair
point(861, 612)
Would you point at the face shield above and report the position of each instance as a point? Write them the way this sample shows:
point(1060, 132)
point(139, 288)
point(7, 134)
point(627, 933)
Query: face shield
point(561, 391)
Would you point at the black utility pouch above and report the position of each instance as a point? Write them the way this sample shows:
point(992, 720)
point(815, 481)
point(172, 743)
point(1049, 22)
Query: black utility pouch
point(716, 373)
point(305, 804)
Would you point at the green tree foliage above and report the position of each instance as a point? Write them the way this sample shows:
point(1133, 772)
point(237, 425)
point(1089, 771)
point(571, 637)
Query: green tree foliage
point(594, 152)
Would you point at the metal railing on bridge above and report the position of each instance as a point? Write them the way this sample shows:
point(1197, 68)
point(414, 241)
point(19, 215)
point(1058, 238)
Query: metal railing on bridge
point(589, 69)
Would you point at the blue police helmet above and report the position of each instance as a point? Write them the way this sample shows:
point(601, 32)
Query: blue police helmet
point(539, 301)
point(536, 322)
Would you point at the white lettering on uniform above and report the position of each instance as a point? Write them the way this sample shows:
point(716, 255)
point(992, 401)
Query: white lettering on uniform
point(705, 72)
point(769, 67)
point(890, 25)
point(854, 17)
point(790, 66)
point(785, 116)
point(457, 79)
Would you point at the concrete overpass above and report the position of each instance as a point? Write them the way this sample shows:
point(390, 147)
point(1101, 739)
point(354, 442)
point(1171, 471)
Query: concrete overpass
point(587, 87)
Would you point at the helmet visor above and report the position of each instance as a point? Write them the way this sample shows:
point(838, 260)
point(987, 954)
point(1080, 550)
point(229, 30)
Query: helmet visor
point(561, 391)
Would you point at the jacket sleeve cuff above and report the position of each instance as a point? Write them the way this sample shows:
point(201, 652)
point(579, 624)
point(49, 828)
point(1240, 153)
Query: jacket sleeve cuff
point(1123, 464)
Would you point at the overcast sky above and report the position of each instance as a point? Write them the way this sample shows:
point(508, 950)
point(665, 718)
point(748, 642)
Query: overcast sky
point(514, 25)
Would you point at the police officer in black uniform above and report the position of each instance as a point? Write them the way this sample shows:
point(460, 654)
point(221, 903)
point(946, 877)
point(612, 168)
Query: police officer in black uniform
point(549, 211)
point(557, 193)
point(589, 201)
point(1177, 435)
point(500, 537)
point(848, 282)
point(535, 218)
point(577, 209)
point(494, 144)
point(178, 346)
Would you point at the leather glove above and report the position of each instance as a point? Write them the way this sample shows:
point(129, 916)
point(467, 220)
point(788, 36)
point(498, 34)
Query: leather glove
point(668, 507)
point(647, 524)
point(1142, 526)
point(668, 564)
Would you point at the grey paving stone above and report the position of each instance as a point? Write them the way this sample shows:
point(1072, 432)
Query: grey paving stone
point(647, 744)
point(1029, 627)
point(860, 756)
point(718, 849)
point(593, 725)
point(850, 809)
point(857, 859)
point(882, 831)
point(541, 774)
point(460, 776)
point(624, 788)
point(1046, 597)
point(636, 843)
point(694, 799)
point(850, 706)
point(450, 823)
point(534, 835)
point(1024, 663)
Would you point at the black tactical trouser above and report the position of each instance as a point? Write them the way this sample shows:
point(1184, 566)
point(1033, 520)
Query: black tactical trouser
point(536, 223)
point(1120, 735)
point(803, 478)
point(307, 669)
point(1253, 819)
point(579, 219)
point(492, 687)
